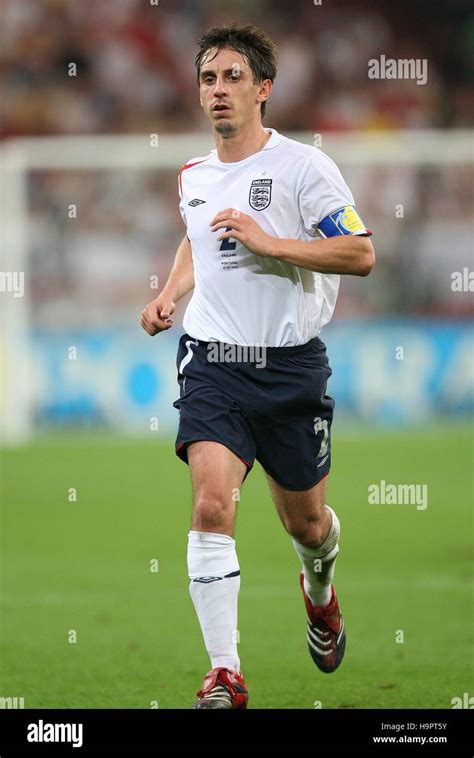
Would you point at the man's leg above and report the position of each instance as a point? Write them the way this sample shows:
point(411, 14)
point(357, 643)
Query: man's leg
point(213, 567)
point(314, 528)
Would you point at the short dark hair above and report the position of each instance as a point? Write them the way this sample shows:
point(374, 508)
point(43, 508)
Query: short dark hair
point(252, 43)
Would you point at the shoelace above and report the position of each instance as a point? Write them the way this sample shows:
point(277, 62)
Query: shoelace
point(219, 692)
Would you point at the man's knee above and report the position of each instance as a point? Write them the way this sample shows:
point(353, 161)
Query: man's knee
point(309, 530)
point(212, 512)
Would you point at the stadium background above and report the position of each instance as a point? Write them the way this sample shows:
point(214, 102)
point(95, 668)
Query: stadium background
point(95, 508)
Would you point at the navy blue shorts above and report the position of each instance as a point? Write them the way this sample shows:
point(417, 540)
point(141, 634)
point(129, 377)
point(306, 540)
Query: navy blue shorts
point(272, 406)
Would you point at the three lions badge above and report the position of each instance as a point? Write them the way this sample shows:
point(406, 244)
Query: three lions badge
point(260, 194)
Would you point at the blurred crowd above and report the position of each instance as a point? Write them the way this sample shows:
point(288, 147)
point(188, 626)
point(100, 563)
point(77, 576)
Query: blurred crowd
point(134, 64)
point(99, 267)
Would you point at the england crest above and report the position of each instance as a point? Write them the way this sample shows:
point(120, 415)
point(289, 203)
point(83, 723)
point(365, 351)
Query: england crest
point(260, 195)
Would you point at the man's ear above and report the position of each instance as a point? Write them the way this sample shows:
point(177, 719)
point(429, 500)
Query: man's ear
point(265, 89)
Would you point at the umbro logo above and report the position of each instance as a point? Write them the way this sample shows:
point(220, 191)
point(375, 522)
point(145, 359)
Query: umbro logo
point(195, 202)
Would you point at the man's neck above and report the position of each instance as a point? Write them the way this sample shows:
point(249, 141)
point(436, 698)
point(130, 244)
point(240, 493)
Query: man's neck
point(239, 145)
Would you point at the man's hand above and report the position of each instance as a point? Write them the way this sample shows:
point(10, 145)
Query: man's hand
point(156, 316)
point(244, 229)
point(343, 254)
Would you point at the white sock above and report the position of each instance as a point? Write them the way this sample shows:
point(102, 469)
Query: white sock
point(318, 574)
point(215, 582)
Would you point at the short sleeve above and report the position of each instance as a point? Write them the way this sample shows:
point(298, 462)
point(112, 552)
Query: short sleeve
point(181, 200)
point(325, 201)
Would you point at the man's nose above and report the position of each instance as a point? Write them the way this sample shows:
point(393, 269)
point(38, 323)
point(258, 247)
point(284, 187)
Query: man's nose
point(219, 86)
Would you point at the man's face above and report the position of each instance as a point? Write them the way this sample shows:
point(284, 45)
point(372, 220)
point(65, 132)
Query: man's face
point(227, 90)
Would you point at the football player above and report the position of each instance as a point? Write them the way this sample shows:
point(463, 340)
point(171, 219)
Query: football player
point(271, 226)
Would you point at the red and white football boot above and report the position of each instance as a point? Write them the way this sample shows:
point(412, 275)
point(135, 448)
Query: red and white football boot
point(326, 634)
point(222, 688)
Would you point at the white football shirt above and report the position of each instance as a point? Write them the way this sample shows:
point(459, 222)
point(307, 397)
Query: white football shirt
point(294, 191)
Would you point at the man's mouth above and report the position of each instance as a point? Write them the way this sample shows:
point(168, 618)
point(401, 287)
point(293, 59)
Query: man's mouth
point(220, 107)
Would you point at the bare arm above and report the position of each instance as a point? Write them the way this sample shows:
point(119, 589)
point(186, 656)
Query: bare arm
point(181, 278)
point(337, 255)
point(349, 254)
point(156, 316)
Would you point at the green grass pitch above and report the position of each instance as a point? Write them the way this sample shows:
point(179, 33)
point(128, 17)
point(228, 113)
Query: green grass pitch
point(85, 566)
